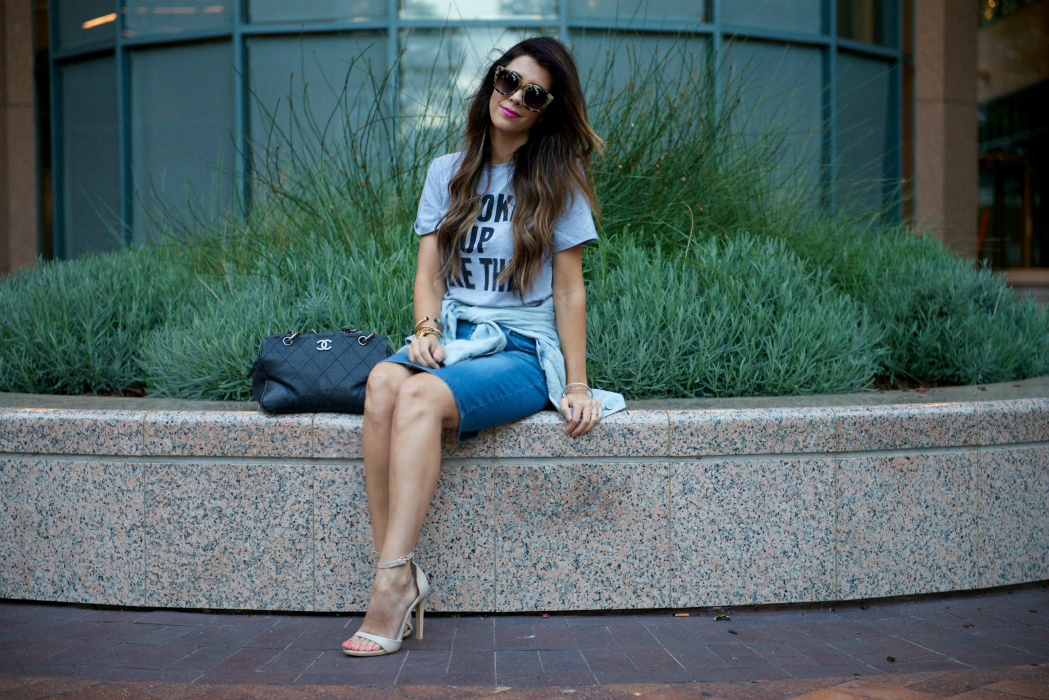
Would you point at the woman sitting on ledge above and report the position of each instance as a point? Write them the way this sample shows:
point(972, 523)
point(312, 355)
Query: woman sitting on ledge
point(500, 308)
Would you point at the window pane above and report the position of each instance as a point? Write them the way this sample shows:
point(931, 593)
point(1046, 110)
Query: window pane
point(869, 21)
point(866, 149)
point(315, 10)
point(780, 92)
point(174, 16)
point(84, 22)
point(629, 13)
point(305, 89)
point(181, 149)
point(626, 56)
point(90, 186)
point(782, 15)
point(454, 10)
point(440, 70)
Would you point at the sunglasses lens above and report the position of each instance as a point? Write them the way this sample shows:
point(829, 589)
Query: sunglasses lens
point(534, 98)
point(506, 83)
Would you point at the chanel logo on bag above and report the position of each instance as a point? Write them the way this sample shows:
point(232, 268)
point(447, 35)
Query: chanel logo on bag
point(324, 344)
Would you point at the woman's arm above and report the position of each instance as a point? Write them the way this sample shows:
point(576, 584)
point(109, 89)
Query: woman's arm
point(581, 411)
point(428, 295)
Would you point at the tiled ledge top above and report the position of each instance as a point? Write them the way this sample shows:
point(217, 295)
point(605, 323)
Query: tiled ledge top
point(1009, 413)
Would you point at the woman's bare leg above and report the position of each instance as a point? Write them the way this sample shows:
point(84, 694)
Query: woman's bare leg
point(424, 407)
point(384, 382)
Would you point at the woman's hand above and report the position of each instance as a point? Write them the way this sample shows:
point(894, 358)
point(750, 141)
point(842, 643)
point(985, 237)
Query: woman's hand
point(581, 411)
point(426, 351)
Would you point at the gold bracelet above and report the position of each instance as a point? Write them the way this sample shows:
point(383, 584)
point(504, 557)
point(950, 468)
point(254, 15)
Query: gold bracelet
point(577, 385)
point(424, 320)
point(428, 330)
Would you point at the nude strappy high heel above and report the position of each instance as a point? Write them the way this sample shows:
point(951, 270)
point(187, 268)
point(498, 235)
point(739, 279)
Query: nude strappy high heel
point(409, 629)
point(387, 645)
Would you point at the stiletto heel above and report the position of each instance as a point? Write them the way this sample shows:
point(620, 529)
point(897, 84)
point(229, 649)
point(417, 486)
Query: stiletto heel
point(387, 645)
point(420, 610)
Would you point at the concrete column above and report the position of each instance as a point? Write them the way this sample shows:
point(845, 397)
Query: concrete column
point(18, 176)
point(946, 139)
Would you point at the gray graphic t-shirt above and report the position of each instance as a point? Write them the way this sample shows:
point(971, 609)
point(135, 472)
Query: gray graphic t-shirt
point(489, 246)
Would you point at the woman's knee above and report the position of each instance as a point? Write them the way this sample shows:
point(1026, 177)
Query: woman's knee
point(384, 381)
point(422, 396)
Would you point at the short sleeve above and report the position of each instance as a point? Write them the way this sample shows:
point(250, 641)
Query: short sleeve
point(434, 200)
point(576, 225)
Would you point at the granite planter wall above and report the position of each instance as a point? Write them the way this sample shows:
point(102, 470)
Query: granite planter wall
point(659, 507)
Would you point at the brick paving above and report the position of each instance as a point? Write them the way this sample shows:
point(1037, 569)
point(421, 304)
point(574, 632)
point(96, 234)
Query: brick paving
point(987, 646)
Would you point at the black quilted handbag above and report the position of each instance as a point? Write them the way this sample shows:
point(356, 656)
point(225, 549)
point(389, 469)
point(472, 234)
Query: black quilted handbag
point(316, 372)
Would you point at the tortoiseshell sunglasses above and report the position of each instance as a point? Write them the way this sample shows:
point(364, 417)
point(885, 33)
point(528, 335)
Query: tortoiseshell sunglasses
point(507, 82)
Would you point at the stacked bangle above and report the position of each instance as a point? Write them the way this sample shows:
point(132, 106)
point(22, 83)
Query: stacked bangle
point(427, 330)
point(569, 386)
point(424, 319)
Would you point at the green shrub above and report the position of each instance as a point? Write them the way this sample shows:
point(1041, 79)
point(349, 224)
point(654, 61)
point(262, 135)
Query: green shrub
point(944, 320)
point(737, 317)
point(69, 328)
point(205, 352)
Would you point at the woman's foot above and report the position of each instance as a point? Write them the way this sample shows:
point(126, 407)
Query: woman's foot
point(393, 591)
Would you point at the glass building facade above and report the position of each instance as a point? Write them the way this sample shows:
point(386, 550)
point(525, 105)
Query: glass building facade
point(155, 101)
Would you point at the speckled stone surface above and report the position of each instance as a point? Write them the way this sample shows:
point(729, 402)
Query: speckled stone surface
point(1014, 516)
point(752, 531)
point(73, 532)
point(1014, 421)
point(582, 536)
point(342, 539)
point(752, 431)
point(907, 524)
point(229, 536)
point(456, 546)
point(72, 432)
point(905, 426)
point(622, 434)
point(233, 434)
point(526, 518)
point(338, 436)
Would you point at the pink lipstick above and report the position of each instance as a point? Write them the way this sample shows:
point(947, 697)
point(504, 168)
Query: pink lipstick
point(509, 114)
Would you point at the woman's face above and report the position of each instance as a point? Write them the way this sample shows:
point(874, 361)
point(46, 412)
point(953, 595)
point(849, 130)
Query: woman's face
point(507, 112)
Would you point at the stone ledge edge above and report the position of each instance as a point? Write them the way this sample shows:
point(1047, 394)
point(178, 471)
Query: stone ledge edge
point(630, 433)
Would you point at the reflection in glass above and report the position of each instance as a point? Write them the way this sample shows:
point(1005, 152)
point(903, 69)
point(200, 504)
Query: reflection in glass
point(869, 21)
point(623, 57)
point(439, 71)
point(90, 185)
point(182, 128)
point(173, 16)
point(305, 89)
point(781, 15)
point(866, 145)
point(315, 10)
point(1007, 233)
point(454, 10)
point(780, 92)
point(630, 12)
point(84, 22)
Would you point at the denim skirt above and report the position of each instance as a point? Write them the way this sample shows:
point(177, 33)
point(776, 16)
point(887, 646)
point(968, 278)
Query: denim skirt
point(494, 389)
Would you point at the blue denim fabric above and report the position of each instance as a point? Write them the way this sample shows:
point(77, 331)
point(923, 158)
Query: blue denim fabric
point(494, 389)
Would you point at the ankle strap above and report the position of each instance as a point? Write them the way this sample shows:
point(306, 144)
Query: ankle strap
point(396, 562)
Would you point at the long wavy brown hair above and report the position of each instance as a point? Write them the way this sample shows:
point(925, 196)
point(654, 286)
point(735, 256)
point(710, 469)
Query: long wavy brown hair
point(548, 170)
